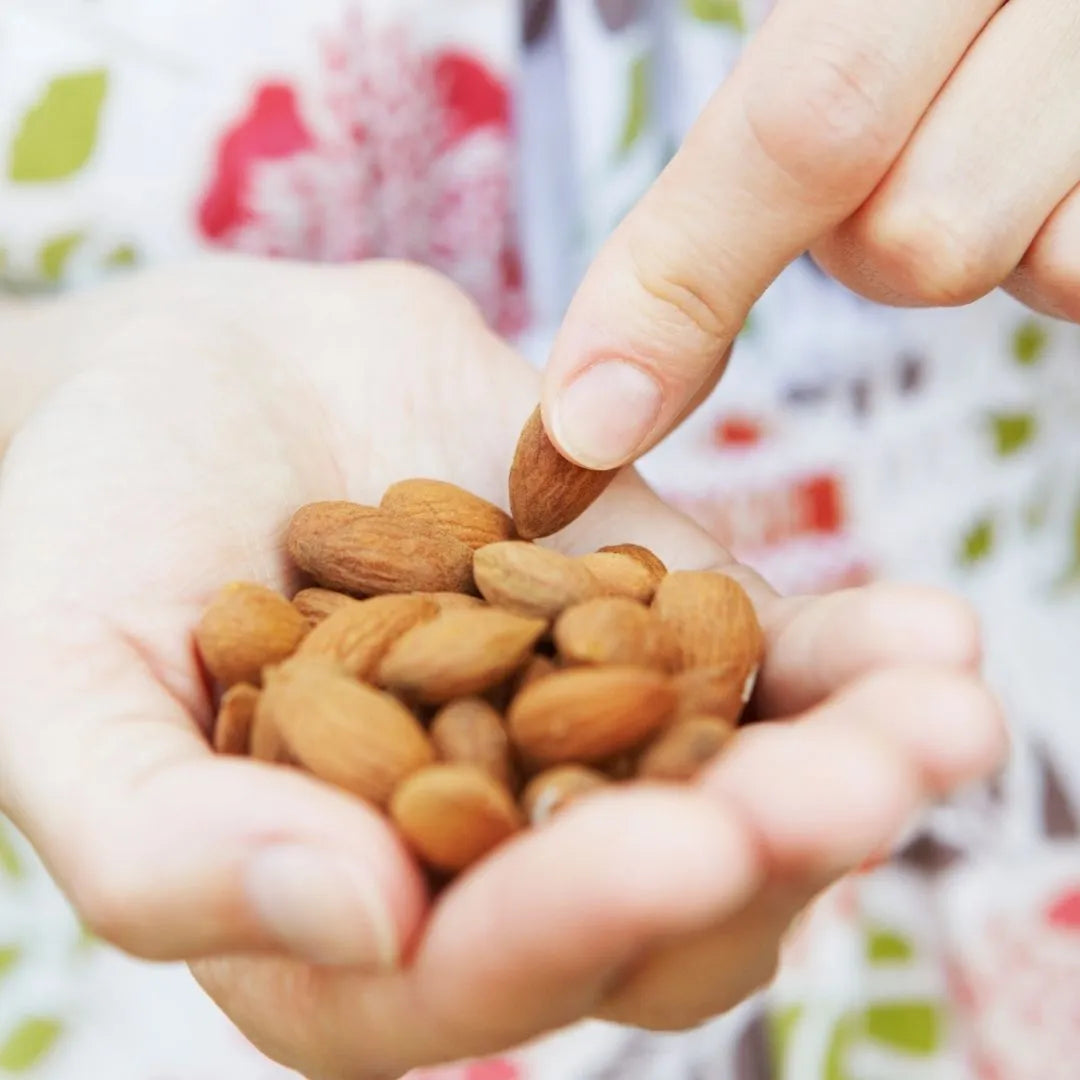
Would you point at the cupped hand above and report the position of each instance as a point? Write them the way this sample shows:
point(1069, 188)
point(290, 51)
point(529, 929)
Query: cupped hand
point(925, 153)
point(223, 396)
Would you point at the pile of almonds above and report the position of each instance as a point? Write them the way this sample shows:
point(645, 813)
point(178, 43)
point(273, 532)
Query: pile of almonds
point(468, 681)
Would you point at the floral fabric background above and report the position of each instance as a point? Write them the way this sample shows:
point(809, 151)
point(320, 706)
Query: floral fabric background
point(500, 143)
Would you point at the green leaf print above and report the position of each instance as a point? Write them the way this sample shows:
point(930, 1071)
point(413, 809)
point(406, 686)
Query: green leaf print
point(1012, 432)
point(28, 1044)
point(54, 254)
point(782, 1024)
point(1072, 574)
point(888, 947)
point(122, 255)
point(978, 544)
point(9, 957)
point(10, 864)
point(717, 11)
point(836, 1067)
point(58, 134)
point(914, 1027)
point(637, 108)
point(1030, 342)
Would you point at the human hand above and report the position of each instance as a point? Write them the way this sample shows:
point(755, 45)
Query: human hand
point(925, 153)
point(241, 390)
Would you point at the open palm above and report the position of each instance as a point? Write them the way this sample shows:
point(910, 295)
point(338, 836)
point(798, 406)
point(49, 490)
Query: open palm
point(242, 390)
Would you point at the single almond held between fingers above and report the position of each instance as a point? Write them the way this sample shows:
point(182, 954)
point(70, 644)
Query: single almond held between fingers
point(649, 560)
point(469, 731)
point(348, 734)
point(547, 490)
point(554, 789)
point(684, 749)
point(620, 575)
point(721, 691)
point(589, 714)
point(316, 604)
point(615, 630)
point(712, 619)
point(459, 654)
point(453, 815)
point(532, 580)
point(245, 628)
point(474, 521)
point(236, 714)
point(358, 636)
point(367, 551)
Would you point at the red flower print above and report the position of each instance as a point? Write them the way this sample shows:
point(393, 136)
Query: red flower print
point(1064, 912)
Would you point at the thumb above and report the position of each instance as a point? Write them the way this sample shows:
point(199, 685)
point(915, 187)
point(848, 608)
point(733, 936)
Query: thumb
point(792, 144)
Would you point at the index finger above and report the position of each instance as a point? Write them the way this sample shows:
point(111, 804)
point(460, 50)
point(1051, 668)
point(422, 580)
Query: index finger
point(800, 135)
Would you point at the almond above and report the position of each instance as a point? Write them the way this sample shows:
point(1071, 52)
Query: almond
point(712, 619)
point(346, 733)
point(614, 630)
point(245, 628)
point(539, 667)
point(453, 601)
point(620, 575)
point(531, 580)
point(367, 551)
point(589, 714)
point(267, 744)
point(684, 749)
point(358, 636)
point(652, 562)
point(554, 789)
point(459, 654)
point(236, 713)
point(721, 691)
point(453, 815)
point(317, 604)
point(548, 491)
point(469, 731)
point(474, 521)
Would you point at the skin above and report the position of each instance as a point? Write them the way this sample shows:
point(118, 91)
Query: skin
point(201, 406)
point(924, 153)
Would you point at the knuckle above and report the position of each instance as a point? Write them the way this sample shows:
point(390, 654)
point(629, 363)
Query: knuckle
point(1050, 273)
point(105, 897)
point(827, 125)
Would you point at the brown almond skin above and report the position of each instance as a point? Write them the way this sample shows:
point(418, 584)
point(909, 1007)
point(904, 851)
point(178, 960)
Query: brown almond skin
point(474, 521)
point(245, 628)
point(450, 601)
point(648, 559)
point(554, 789)
point(532, 580)
point(712, 619)
point(615, 630)
point(458, 654)
point(236, 714)
point(367, 551)
point(684, 749)
point(267, 744)
point(539, 667)
point(720, 691)
point(453, 815)
point(621, 575)
point(588, 714)
point(469, 731)
point(317, 604)
point(358, 637)
point(347, 734)
point(548, 491)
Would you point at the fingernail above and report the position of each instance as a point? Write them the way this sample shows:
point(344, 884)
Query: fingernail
point(321, 906)
point(605, 415)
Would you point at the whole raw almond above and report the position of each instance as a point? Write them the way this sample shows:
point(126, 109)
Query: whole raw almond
point(458, 654)
point(358, 636)
point(469, 731)
point(368, 551)
point(712, 619)
point(621, 575)
point(589, 714)
point(652, 562)
point(721, 691)
point(548, 491)
point(684, 749)
point(346, 733)
point(539, 667)
point(236, 714)
point(554, 789)
point(453, 601)
point(615, 630)
point(267, 744)
point(532, 580)
point(474, 521)
point(453, 815)
point(245, 628)
point(317, 604)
